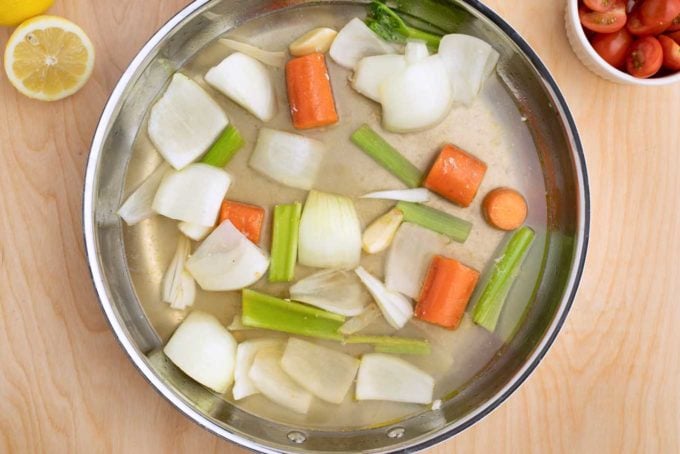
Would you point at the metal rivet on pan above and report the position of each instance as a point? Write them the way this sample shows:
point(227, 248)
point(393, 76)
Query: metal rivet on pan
point(397, 432)
point(297, 437)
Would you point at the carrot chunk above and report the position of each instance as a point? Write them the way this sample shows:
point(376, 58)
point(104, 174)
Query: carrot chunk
point(309, 92)
point(246, 218)
point(505, 209)
point(446, 292)
point(456, 175)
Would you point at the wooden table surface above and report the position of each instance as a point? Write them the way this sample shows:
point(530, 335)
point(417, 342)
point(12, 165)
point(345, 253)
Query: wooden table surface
point(610, 384)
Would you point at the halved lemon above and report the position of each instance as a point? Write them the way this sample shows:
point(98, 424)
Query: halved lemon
point(49, 58)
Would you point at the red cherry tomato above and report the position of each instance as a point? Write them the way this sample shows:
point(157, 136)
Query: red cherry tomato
point(675, 36)
point(659, 12)
point(600, 5)
point(644, 57)
point(613, 47)
point(671, 53)
point(636, 26)
point(675, 25)
point(608, 22)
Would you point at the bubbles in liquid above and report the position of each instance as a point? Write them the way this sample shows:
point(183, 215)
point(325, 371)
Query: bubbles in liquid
point(397, 432)
point(297, 437)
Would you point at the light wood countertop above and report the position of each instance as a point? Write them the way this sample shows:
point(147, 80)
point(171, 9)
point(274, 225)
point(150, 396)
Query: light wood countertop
point(610, 384)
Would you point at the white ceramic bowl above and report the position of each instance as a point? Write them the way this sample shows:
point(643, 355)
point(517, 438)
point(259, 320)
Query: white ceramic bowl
point(585, 52)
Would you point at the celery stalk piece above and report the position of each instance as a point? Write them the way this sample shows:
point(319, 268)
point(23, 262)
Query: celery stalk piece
point(505, 270)
point(447, 17)
point(389, 26)
point(268, 312)
point(393, 344)
point(455, 228)
point(224, 148)
point(387, 156)
point(285, 242)
point(420, 24)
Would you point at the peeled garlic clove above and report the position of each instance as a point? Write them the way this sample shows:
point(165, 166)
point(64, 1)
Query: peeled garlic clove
point(379, 235)
point(317, 40)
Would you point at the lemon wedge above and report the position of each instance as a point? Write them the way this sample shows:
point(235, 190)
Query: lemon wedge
point(14, 12)
point(49, 58)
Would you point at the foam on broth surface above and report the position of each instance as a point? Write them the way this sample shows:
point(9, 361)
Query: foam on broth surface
point(492, 129)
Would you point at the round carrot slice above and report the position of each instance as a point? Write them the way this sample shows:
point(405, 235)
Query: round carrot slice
point(505, 208)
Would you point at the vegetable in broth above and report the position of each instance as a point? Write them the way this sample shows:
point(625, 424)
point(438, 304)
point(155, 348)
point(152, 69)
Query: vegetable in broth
point(331, 330)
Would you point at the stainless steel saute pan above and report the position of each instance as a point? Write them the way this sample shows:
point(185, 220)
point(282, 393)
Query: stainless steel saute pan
point(141, 327)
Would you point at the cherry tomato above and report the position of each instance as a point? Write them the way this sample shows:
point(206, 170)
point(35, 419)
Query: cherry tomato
point(671, 53)
point(613, 47)
point(607, 22)
point(644, 57)
point(659, 12)
point(600, 5)
point(675, 36)
point(675, 25)
point(637, 27)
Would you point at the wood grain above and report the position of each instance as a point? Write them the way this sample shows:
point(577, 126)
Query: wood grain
point(610, 384)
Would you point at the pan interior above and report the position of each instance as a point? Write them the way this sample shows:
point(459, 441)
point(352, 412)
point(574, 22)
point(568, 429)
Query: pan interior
point(513, 126)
